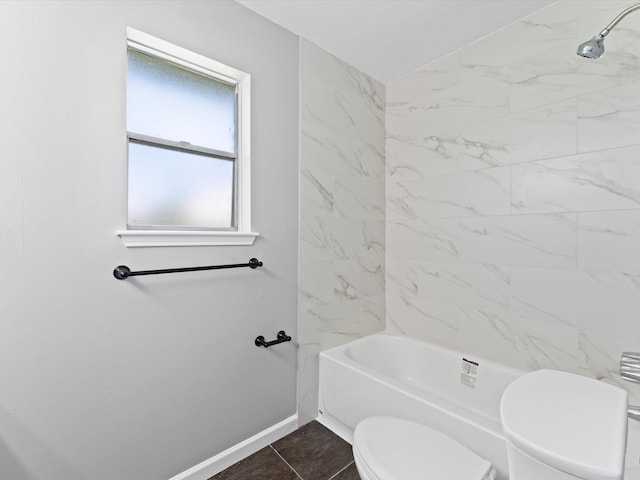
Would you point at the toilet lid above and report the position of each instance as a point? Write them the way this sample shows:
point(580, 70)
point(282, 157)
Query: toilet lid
point(395, 449)
point(573, 423)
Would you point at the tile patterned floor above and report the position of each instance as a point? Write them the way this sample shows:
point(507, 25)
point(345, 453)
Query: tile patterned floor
point(310, 453)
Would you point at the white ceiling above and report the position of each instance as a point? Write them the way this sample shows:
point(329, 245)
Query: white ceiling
point(391, 38)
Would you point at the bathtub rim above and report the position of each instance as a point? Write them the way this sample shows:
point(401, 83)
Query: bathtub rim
point(331, 352)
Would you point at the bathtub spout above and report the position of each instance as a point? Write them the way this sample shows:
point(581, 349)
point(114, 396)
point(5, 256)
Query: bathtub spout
point(634, 412)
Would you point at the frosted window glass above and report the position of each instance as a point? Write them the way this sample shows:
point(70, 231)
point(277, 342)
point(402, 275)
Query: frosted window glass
point(169, 102)
point(179, 189)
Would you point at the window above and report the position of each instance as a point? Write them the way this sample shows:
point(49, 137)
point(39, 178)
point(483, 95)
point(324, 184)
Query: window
point(188, 150)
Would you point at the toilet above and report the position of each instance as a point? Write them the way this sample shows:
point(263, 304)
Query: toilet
point(557, 426)
point(389, 448)
point(561, 426)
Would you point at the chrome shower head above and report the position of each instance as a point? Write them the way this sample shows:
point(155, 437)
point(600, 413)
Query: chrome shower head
point(593, 48)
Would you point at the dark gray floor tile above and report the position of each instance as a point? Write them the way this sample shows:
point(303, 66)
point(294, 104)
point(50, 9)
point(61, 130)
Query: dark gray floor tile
point(349, 473)
point(262, 465)
point(315, 452)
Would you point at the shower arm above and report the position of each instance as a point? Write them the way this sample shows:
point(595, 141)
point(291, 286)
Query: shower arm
point(617, 20)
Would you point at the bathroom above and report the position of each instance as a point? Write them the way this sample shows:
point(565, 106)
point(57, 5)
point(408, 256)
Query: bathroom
point(485, 202)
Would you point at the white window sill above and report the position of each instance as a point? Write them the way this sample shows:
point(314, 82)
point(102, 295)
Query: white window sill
point(164, 238)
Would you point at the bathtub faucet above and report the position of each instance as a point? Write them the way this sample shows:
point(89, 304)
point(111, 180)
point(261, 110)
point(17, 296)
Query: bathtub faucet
point(630, 371)
point(630, 366)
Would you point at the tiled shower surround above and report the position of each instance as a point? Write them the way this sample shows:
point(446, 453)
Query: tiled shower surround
point(342, 212)
point(513, 195)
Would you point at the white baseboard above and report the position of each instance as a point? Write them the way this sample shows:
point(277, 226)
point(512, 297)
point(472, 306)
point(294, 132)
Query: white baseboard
point(219, 462)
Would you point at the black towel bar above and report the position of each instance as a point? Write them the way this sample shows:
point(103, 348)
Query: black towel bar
point(282, 337)
point(121, 272)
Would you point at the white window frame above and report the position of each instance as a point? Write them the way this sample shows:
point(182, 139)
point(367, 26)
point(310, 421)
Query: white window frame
point(161, 49)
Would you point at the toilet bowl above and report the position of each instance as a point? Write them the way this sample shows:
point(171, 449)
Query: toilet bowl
point(389, 448)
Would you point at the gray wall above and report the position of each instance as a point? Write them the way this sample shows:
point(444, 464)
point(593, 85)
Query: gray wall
point(144, 378)
point(341, 210)
point(513, 195)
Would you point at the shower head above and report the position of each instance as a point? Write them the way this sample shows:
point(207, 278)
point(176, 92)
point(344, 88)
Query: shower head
point(594, 48)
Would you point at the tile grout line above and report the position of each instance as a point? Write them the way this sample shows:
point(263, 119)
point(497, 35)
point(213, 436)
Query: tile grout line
point(341, 470)
point(286, 463)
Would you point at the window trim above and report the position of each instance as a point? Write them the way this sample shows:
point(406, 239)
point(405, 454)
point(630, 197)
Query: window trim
point(162, 49)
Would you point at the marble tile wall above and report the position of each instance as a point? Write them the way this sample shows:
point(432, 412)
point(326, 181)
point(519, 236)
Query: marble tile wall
point(513, 195)
point(342, 211)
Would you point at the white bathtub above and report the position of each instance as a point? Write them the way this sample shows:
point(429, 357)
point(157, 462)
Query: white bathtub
point(392, 375)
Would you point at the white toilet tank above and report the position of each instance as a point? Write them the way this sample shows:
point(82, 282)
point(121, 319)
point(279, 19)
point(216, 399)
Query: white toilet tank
point(561, 426)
